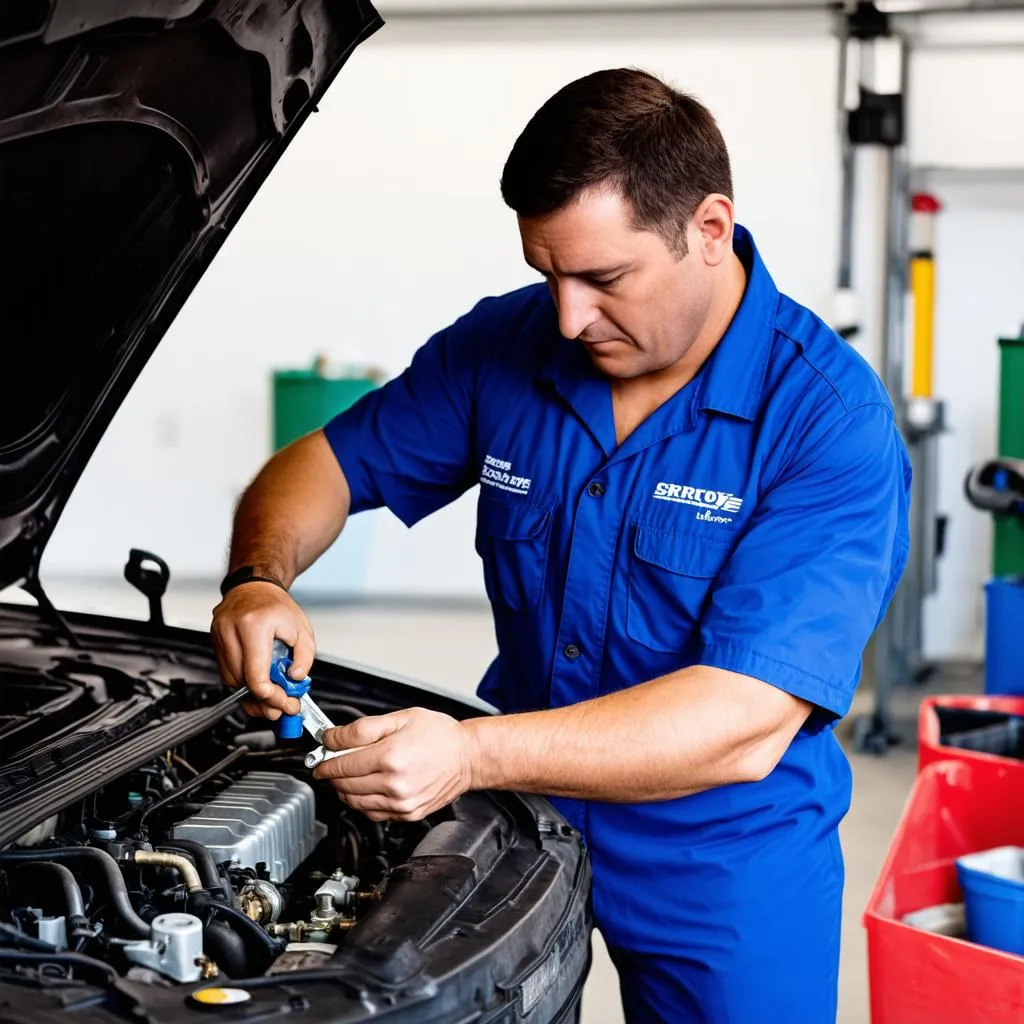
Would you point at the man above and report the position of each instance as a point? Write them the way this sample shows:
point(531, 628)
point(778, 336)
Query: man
point(692, 514)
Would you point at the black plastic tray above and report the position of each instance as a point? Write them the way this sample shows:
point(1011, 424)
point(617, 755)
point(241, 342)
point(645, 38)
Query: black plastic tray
point(988, 732)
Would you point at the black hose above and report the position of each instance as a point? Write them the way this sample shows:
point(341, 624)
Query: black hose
point(353, 841)
point(205, 865)
point(192, 784)
point(20, 938)
point(225, 948)
point(71, 959)
point(106, 864)
point(260, 946)
point(78, 923)
point(73, 900)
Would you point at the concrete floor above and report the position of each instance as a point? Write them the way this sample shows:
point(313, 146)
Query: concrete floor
point(449, 647)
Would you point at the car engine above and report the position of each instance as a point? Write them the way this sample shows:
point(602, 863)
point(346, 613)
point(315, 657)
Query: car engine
point(220, 859)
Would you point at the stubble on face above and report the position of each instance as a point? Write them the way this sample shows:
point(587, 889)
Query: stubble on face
point(625, 294)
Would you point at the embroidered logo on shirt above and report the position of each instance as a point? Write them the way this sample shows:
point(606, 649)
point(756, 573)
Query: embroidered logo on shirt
point(710, 501)
point(498, 473)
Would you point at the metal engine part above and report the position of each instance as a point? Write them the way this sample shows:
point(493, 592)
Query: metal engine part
point(175, 949)
point(335, 895)
point(261, 901)
point(335, 910)
point(302, 956)
point(265, 817)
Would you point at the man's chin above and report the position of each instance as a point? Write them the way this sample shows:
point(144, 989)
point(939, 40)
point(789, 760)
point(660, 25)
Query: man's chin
point(615, 359)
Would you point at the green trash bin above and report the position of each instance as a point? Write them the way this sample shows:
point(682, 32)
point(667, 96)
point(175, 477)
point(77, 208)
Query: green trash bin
point(1008, 555)
point(303, 401)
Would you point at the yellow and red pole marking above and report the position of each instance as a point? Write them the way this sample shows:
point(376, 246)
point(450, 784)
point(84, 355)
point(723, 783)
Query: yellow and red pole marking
point(924, 208)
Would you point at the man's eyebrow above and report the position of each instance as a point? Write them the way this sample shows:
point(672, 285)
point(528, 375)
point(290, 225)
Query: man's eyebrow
point(608, 271)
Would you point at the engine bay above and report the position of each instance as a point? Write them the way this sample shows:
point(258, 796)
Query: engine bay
point(162, 852)
point(220, 858)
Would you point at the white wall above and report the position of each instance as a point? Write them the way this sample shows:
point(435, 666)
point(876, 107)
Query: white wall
point(383, 222)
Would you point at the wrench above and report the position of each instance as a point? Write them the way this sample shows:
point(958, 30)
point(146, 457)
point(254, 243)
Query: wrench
point(314, 720)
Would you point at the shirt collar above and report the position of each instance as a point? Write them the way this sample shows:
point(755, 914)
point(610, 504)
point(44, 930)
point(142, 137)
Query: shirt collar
point(570, 372)
point(732, 378)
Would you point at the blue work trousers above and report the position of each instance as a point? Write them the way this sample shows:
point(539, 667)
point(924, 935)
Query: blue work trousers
point(665, 990)
point(782, 972)
point(750, 938)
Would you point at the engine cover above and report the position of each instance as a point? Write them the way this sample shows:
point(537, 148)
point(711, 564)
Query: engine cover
point(266, 817)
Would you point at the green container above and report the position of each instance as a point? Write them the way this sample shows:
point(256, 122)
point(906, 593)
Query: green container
point(304, 400)
point(1008, 555)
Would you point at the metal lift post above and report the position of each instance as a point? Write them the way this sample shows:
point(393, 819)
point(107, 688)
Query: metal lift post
point(878, 121)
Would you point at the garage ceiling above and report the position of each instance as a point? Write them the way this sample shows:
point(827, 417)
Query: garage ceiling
point(483, 7)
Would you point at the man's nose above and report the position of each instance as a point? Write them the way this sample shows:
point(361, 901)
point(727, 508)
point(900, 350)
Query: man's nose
point(576, 308)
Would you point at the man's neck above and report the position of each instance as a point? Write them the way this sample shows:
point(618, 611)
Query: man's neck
point(635, 399)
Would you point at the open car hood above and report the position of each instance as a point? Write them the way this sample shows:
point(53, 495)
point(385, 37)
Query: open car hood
point(133, 134)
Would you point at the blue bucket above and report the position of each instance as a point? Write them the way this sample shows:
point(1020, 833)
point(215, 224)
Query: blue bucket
point(993, 885)
point(1004, 635)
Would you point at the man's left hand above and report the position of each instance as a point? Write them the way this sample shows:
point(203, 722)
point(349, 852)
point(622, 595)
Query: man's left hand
point(413, 762)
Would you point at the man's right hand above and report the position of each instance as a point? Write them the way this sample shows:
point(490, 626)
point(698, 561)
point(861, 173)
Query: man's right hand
point(245, 625)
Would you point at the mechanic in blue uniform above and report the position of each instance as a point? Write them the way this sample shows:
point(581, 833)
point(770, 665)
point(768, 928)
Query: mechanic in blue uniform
point(692, 514)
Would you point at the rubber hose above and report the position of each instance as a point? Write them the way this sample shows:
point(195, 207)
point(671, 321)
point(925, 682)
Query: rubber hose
point(111, 873)
point(259, 944)
point(212, 878)
point(225, 948)
point(181, 864)
point(26, 941)
point(73, 900)
point(192, 784)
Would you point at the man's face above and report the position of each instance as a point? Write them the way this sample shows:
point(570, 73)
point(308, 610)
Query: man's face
point(635, 305)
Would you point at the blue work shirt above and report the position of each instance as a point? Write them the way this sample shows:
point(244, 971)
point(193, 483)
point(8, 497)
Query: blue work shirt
point(756, 522)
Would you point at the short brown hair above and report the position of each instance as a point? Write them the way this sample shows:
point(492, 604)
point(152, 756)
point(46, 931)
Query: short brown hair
point(622, 127)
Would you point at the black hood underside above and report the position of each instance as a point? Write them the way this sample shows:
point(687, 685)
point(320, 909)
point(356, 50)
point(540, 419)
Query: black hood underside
point(133, 133)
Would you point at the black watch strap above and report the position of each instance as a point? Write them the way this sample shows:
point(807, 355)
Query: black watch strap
point(246, 574)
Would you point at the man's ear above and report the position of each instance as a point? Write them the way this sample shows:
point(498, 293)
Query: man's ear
point(714, 220)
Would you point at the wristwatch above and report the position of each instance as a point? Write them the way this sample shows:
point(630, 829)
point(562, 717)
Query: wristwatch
point(246, 574)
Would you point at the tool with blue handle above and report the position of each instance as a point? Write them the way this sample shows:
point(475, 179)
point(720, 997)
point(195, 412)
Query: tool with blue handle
point(289, 727)
point(310, 717)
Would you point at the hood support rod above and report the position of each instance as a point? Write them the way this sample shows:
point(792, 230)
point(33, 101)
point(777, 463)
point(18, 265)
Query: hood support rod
point(34, 588)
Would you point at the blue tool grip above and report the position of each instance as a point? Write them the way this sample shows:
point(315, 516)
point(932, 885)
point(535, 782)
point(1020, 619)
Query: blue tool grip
point(289, 727)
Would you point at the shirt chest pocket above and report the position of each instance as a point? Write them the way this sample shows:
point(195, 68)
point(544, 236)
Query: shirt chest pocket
point(671, 575)
point(512, 541)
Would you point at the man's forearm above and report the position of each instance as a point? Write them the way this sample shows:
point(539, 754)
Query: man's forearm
point(292, 511)
point(693, 730)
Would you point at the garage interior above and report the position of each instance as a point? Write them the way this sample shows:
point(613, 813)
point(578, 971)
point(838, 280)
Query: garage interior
point(383, 222)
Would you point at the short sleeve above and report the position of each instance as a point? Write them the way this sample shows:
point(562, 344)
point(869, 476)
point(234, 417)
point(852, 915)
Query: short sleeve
point(808, 583)
point(407, 445)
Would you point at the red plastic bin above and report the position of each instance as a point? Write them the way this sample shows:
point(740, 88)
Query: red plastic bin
point(917, 977)
point(930, 750)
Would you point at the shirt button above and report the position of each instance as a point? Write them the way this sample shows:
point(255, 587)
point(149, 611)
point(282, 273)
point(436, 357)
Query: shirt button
point(571, 651)
point(596, 489)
